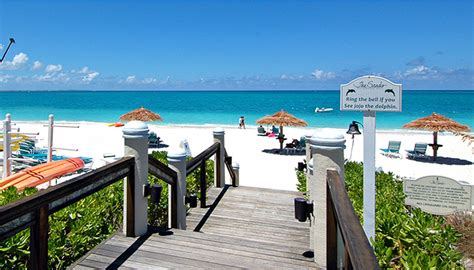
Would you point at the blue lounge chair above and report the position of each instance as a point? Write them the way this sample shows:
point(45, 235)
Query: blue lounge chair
point(153, 140)
point(393, 149)
point(275, 130)
point(418, 152)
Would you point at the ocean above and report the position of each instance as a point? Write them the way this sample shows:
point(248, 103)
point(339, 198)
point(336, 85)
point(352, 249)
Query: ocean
point(225, 107)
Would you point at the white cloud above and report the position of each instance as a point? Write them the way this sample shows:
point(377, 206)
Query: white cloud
point(18, 61)
point(419, 70)
point(90, 76)
point(53, 77)
point(37, 65)
point(1, 46)
point(5, 78)
point(149, 80)
point(84, 70)
point(53, 68)
point(131, 79)
point(323, 75)
point(283, 77)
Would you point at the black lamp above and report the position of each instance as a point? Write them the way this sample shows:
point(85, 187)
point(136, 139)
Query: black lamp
point(354, 128)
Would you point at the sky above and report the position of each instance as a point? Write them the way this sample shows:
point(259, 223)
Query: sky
point(234, 45)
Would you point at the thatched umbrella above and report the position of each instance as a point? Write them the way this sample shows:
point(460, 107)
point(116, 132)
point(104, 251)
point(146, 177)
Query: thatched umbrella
point(141, 114)
point(436, 122)
point(281, 119)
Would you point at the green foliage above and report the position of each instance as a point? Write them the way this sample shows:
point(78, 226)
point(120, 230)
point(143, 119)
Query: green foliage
point(405, 238)
point(301, 185)
point(158, 214)
point(79, 227)
point(74, 230)
point(14, 252)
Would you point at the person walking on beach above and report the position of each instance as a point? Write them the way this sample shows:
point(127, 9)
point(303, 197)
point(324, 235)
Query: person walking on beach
point(242, 122)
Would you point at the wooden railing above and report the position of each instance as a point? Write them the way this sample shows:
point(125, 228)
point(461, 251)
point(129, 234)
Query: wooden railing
point(200, 162)
point(358, 254)
point(33, 211)
point(228, 163)
point(165, 173)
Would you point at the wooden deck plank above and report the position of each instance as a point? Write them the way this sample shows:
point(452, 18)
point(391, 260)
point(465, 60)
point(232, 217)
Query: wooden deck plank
point(249, 228)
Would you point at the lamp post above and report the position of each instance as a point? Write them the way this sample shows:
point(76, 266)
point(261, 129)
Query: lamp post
point(5, 53)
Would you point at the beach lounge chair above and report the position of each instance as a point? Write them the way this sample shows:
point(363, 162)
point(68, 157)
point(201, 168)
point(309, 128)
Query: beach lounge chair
point(261, 131)
point(153, 140)
point(393, 149)
point(302, 145)
point(275, 130)
point(418, 152)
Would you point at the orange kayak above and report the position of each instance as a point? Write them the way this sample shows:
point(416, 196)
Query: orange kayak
point(42, 173)
point(118, 124)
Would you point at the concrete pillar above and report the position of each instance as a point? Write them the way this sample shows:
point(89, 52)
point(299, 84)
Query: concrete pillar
point(236, 168)
point(177, 162)
point(219, 166)
point(327, 148)
point(135, 134)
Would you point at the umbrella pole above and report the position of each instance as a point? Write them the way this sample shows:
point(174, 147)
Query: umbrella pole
point(281, 141)
point(435, 144)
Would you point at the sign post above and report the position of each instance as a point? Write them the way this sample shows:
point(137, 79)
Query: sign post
point(370, 94)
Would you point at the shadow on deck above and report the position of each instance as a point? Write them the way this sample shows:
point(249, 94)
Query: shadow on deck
point(245, 228)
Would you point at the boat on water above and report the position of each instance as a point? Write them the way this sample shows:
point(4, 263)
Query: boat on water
point(320, 110)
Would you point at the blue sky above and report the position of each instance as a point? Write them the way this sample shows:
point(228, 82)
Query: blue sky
point(119, 45)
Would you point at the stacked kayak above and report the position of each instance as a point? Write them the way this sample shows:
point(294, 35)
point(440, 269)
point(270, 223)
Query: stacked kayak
point(42, 173)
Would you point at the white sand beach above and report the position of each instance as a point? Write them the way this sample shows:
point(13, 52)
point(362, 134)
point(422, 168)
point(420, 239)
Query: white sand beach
point(261, 169)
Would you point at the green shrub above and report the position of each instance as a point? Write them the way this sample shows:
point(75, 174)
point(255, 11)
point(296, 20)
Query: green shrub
point(158, 214)
point(79, 227)
point(301, 185)
point(73, 230)
point(405, 237)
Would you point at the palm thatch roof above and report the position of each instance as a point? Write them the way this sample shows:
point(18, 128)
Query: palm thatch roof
point(282, 118)
point(437, 122)
point(141, 114)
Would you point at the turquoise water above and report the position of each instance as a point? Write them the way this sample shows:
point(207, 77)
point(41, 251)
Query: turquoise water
point(225, 107)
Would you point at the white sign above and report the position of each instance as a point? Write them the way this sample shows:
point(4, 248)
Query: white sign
point(371, 93)
point(185, 145)
point(438, 195)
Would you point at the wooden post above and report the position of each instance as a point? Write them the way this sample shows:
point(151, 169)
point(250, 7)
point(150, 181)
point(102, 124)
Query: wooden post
point(135, 134)
point(129, 189)
point(39, 240)
point(331, 232)
point(327, 149)
point(219, 168)
point(203, 184)
point(177, 162)
point(50, 138)
point(236, 169)
point(7, 169)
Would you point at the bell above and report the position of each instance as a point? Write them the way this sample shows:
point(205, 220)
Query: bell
point(353, 129)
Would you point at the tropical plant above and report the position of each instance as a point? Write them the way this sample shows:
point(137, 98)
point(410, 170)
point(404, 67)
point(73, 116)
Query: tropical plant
point(79, 227)
point(405, 237)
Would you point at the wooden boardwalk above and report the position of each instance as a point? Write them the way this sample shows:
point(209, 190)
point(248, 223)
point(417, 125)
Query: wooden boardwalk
point(246, 228)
